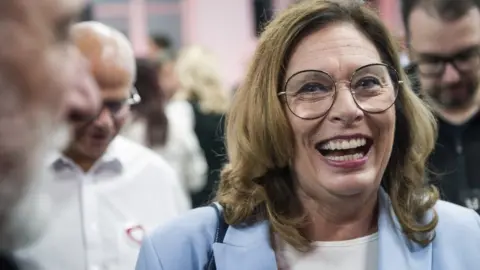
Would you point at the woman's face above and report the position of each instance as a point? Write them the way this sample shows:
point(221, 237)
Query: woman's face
point(362, 141)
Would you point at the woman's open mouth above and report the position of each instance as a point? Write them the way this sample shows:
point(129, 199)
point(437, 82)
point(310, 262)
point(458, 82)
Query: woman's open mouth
point(340, 150)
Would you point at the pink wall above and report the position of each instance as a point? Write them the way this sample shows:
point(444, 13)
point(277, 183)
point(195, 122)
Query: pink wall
point(226, 28)
point(137, 26)
point(390, 14)
point(281, 4)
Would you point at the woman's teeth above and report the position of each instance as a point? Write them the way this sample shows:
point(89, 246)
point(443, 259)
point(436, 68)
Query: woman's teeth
point(344, 144)
point(346, 157)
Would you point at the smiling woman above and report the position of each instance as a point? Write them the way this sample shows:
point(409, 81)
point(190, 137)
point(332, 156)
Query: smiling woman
point(327, 147)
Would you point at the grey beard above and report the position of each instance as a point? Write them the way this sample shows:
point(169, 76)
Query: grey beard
point(25, 210)
point(24, 180)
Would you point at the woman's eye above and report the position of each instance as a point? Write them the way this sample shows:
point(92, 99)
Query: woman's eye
point(312, 88)
point(368, 83)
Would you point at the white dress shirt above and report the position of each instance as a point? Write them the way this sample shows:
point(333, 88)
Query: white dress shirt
point(99, 217)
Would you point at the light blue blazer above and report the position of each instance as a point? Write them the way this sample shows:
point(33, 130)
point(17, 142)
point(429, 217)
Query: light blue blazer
point(185, 243)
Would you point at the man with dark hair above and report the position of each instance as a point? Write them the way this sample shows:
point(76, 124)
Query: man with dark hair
point(446, 10)
point(159, 45)
point(162, 42)
point(444, 46)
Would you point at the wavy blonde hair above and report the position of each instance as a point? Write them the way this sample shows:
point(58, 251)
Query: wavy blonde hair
point(256, 183)
point(199, 76)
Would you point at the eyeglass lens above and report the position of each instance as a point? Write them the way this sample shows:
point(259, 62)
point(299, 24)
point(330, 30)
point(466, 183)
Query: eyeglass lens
point(463, 62)
point(113, 106)
point(310, 94)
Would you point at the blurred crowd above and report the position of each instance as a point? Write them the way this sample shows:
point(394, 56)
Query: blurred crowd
point(98, 147)
point(181, 114)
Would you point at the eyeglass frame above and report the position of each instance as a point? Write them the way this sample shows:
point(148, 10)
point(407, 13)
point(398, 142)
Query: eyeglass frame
point(444, 60)
point(397, 88)
point(134, 99)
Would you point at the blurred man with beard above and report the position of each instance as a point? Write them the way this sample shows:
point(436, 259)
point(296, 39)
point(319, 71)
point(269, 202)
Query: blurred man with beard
point(107, 191)
point(44, 83)
point(444, 44)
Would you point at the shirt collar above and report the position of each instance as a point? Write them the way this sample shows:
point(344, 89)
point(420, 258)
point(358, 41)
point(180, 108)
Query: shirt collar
point(112, 159)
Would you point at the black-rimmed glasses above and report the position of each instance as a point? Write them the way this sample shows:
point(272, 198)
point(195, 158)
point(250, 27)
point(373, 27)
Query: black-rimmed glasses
point(310, 94)
point(434, 66)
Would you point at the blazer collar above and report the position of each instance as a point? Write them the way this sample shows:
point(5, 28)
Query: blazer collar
point(249, 247)
point(396, 251)
point(246, 248)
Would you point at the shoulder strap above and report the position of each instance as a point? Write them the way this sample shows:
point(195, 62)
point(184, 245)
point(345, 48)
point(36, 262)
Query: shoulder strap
point(7, 261)
point(219, 235)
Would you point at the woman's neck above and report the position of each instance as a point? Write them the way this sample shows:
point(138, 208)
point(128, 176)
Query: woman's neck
point(341, 219)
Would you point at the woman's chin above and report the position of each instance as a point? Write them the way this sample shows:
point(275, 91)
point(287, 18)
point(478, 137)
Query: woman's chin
point(349, 185)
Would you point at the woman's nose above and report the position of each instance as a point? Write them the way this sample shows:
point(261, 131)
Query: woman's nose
point(344, 108)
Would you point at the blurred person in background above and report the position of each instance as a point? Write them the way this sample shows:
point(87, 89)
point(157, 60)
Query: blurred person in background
point(164, 132)
point(161, 51)
point(45, 83)
point(168, 78)
point(201, 86)
point(444, 44)
point(159, 46)
point(327, 147)
point(107, 191)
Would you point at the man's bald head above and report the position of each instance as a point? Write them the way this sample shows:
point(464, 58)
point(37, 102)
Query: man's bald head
point(113, 66)
point(109, 52)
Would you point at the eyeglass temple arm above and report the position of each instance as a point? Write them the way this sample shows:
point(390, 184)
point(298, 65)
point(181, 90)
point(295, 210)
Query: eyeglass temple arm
point(135, 98)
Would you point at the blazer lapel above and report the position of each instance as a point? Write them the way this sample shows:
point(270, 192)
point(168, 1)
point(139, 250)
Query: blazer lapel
point(396, 251)
point(249, 247)
point(245, 248)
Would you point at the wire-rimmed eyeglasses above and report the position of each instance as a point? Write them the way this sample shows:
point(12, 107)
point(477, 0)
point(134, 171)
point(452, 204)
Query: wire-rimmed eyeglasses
point(310, 94)
point(115, 107)
point(134, 97)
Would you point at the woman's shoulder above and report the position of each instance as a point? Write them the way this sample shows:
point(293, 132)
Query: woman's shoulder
point(454, 215)
point(195, 226)
point(181, 243)
point(457, 225)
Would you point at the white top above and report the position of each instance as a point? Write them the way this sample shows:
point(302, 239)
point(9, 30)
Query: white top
point(357, 254)
point(182, 150)
point(99, 217)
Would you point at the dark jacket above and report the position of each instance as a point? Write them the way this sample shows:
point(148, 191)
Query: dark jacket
point(454, 165)
point(209, 129)
point(455, 162)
